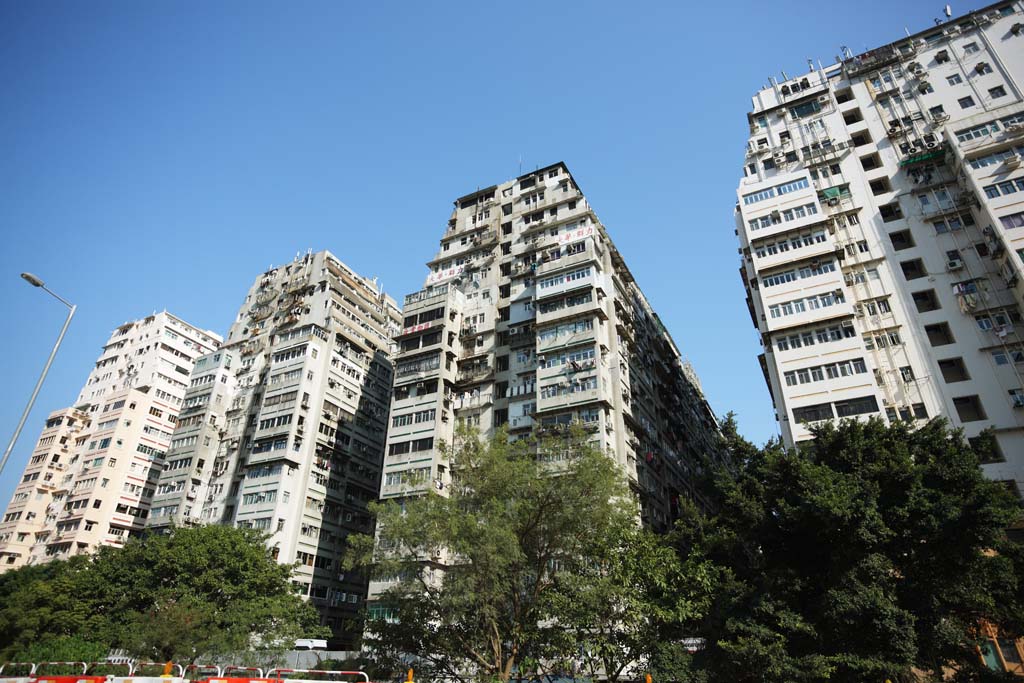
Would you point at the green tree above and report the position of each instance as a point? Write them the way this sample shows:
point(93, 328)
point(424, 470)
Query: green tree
point(518, 517)
point(870, 551)
point(203, 591)
point(633, 595)
point(63, 649)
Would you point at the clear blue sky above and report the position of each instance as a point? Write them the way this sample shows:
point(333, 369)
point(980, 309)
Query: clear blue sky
point(160, 154)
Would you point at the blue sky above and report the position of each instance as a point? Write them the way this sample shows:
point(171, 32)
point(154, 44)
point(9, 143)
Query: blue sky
point(160, 154)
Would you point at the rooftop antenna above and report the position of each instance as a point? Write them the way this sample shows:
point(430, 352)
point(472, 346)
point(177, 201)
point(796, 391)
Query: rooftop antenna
point(810, 64)
point(784, 76)
point(520, 165)
point(949, 12)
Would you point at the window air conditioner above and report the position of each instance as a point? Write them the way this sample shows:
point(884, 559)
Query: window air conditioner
point(954, 264)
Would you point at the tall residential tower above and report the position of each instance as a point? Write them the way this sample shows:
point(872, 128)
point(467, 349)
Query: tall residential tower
point(530, 319)
point(282, 429)
point(881, 228)
point(92, 473)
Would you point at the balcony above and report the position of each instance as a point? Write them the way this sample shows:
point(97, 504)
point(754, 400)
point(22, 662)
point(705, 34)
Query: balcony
point(835, 311)
point(824, 151)
point(480, 240)
point(428, 296)
point(473, 400)
point(569, 399)
point(588, 254)
point(420, 327)
point(962, 202)
point(818, 249)
point(872, 59)
point(594, 280)
point(563, 340)
point(520, 422)
point(474, 374)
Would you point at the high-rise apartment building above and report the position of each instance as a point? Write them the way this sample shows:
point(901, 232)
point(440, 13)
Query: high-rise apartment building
point(92, 473)
point(282, 429)
point(881, 228)
point(530, 318)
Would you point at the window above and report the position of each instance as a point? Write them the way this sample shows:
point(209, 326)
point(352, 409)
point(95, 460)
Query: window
point(786, 188)
point(913, 269)
point(1014, 220)
point(901, 240)
point(970, 48)
point(939, 334)
point(880, 186)
point(1013, 353)
point(986, 447)
point(966, 102)
point(953, 370)
point(813, 413)
point(996, 92)
point(955, 79)
point(861, 139)
point(755, 197)
point(976, 132)
point(1004, 188)
point(982, 68)
point(926, 301)
point(890, 212)
point(969, 408)
point(856, 406)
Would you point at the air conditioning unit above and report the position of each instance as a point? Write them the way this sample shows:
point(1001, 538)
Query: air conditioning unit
point(858, 310)
point(823, 99)
point(954, 264)
point(420, 385)
point(1013, 127)
point(1013, 161)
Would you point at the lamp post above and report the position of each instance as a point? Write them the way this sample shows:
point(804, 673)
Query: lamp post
point(36, 282)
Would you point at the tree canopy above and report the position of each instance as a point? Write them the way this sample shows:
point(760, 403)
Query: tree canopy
point(872, 550)
point(203, 591)
point(531, 535)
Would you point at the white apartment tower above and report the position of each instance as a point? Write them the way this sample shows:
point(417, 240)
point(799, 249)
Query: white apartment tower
point(881, 228)
point(92, 473)
point(283, 428)
point(530, 318)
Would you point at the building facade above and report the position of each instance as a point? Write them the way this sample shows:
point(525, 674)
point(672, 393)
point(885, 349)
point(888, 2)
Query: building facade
point(881, 228)
point(91, 475)
point(530, 319)
point(283, 428)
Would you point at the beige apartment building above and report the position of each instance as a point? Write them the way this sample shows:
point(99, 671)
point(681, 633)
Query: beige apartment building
point(92, 473)
point(282, 429)
point(530, 319)
point(881, 229)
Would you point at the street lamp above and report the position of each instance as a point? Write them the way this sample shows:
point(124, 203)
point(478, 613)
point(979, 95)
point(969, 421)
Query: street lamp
point(36, 282)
